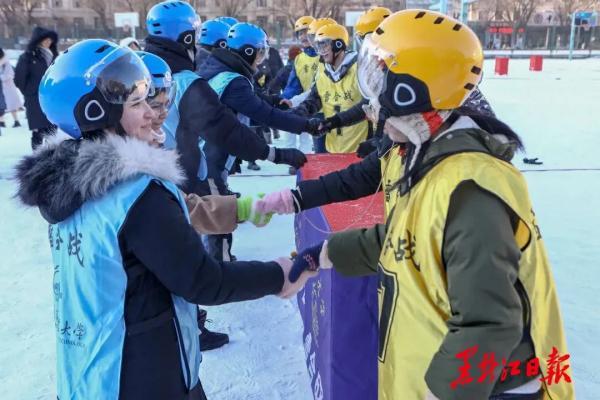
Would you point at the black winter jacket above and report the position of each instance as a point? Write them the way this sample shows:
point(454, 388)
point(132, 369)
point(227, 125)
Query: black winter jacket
point(29, 72)
point(162, 253)
point(202, 115)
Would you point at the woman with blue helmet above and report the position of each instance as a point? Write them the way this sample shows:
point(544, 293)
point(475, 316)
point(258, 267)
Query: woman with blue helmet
point(164, 90)
point(125, 285)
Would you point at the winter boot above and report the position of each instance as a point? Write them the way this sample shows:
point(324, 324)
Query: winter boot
point(209, 340)
point(2, 124)
point(17, 124)
point(253, 166)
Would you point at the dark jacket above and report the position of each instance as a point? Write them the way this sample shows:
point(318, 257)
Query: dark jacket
point(277, 84)
point(201, 55)
point(240, 96)
point(270, 67)
point(485, 299)
point(202, 115)
point(362, 178)
point(29, 72)
point(162, 253)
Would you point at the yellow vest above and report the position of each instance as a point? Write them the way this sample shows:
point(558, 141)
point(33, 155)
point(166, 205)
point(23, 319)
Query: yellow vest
point(391, 172)
point(413, 299)
point(336, 97)
point(306, 68)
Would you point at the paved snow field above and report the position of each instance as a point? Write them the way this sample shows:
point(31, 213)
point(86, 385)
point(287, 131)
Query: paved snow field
point(556, 112)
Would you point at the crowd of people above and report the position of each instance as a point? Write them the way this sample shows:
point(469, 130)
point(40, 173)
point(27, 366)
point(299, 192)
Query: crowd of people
point(132, 154)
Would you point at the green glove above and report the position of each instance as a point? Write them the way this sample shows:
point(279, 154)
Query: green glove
point(246, 211)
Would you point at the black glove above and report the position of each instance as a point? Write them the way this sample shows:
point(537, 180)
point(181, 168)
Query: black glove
point(367, 147)
point(313, 125)
point(306, 260)
point(332, 123)
point(292, 157)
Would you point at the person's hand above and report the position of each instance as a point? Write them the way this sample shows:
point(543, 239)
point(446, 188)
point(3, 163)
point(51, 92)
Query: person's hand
point(310, 259)
point(289, 288)
point(292, 157)
point(286, 102)
point(281, 202)
point(247, 211)
point(314, 126)
point(332, 123)
point(367, 147)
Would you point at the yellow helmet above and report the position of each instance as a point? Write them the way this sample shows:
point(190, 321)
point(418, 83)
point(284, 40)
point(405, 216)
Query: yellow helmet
point(431, 61)
point(318, 24)
point(303, 23)
point(335, 33)
point(370, 20)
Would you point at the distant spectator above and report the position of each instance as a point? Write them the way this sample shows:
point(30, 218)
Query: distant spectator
point(130, 42)
point(40, 53)
point(11, 94)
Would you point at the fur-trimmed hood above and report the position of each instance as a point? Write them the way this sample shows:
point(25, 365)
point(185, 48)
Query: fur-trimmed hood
point(62, 175)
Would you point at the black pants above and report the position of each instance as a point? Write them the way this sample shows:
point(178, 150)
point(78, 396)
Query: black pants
point(38, 135)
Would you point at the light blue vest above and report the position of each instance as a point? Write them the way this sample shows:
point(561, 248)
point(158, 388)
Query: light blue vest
point(219, 83)
point(89, 297)
point(183, 80)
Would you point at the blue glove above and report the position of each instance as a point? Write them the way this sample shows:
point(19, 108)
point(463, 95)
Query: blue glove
point(308, 259)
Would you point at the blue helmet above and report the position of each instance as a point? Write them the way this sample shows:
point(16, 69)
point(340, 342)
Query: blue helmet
point(214, 34)
point(228, 20)
point(249, 41)
point(162, 80)
point(86, 86)
point(175, 20)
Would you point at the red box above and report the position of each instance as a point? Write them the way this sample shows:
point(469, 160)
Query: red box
point(501, 66)
point(536, 63)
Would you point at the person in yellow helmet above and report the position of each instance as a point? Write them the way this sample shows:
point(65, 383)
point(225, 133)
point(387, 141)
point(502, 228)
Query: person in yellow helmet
point(466, 287)
point(369, 21)
point(305, 64)
point(336, 88)
point(303, 73)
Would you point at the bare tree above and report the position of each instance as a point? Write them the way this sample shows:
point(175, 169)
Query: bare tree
point(101, 8)
point(28, 7)
point(565, 8)
point(317, 8)
point(518, 13)
point(18, 15)
point(233, 8)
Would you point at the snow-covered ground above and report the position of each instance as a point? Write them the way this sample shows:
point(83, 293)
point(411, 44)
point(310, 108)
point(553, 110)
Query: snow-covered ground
point(556, 112)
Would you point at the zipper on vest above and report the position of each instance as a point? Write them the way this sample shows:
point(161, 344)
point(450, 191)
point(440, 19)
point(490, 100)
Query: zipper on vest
point(182, 350)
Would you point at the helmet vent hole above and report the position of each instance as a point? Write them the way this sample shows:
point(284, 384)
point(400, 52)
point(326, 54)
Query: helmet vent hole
point(457, 27)
point(379, 31)
point(469, 86)
point(420, 15)
point(438, 20)
point(156, 24)
point(102, 48)
point(157, 32)
point(476, 70)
